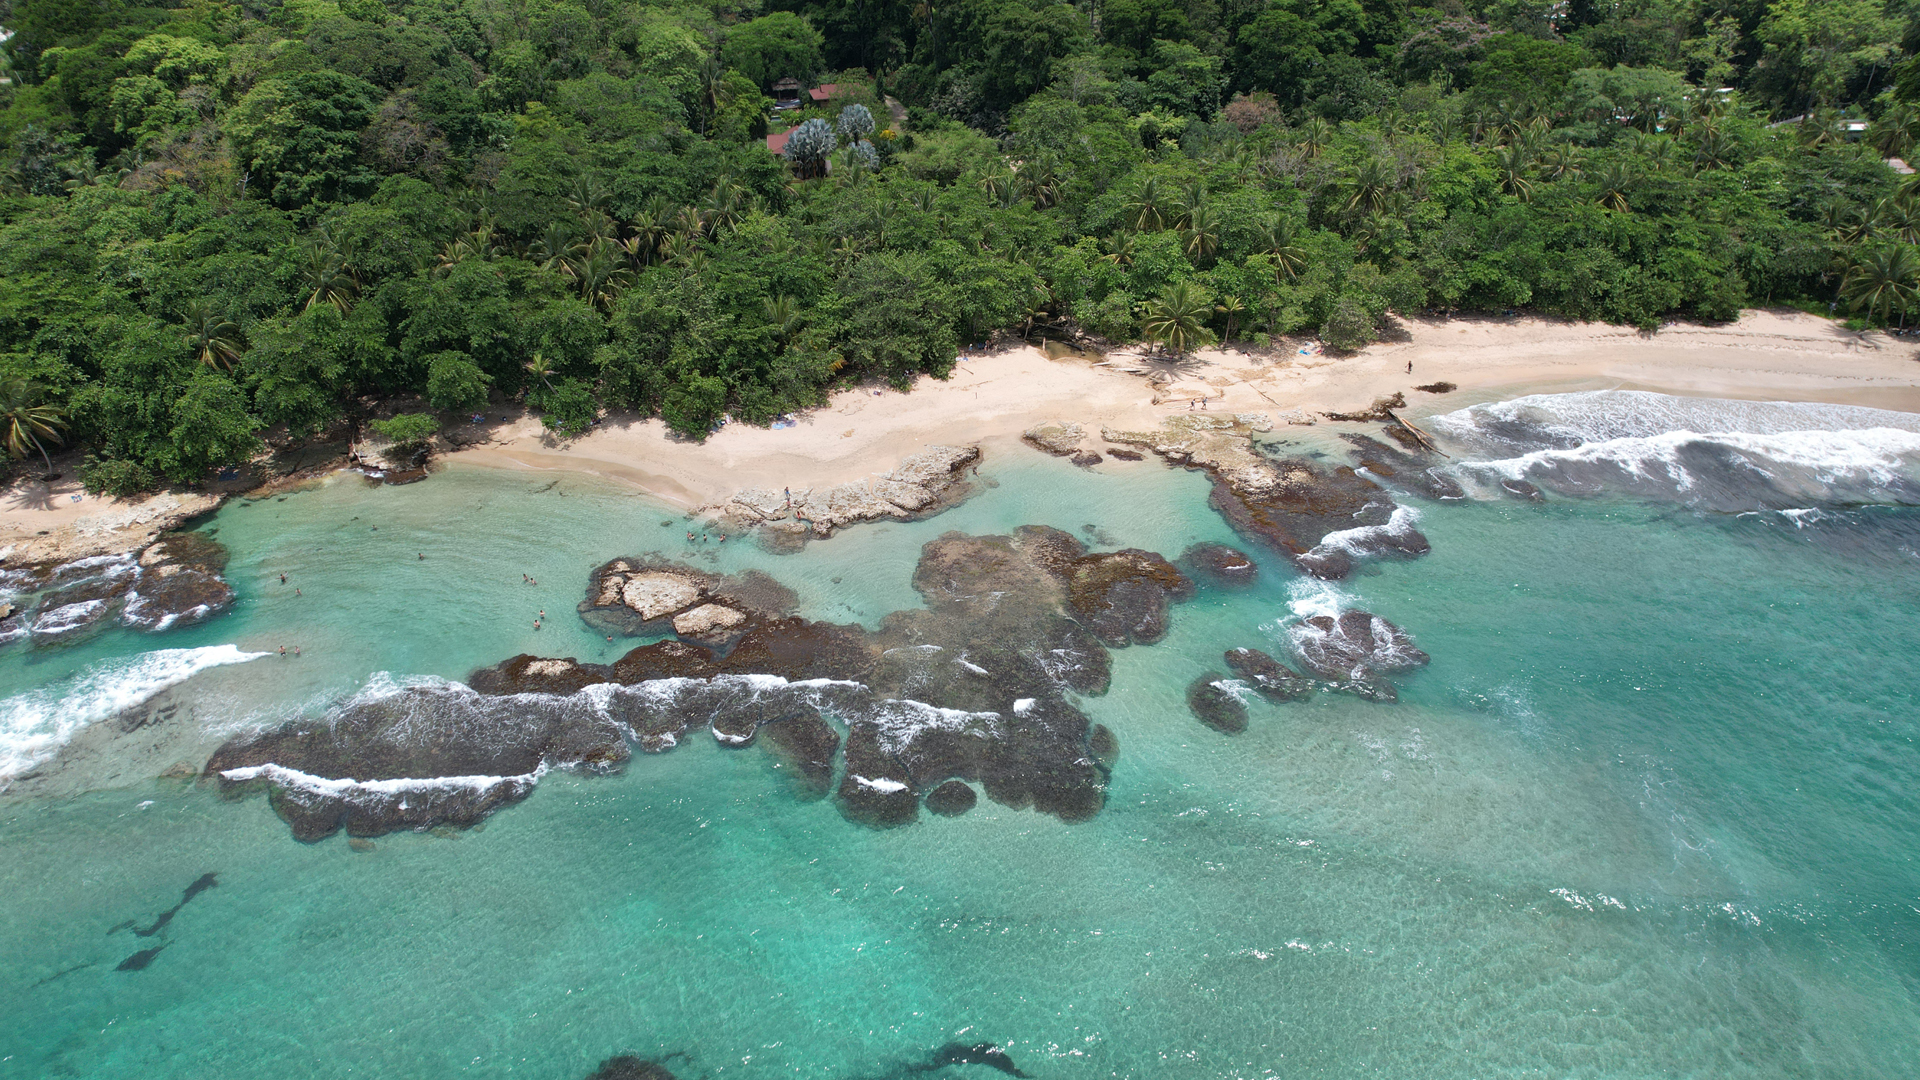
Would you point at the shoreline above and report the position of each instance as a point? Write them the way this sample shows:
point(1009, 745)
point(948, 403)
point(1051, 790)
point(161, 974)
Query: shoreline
point(991, 400)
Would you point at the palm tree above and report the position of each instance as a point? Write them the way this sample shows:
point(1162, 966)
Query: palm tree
point(1882, 279)
point(1145, 209)
point(586, 195)
point(27, 422)
point(1561, 163)
point(1511, 163)
point(216, 341)
point(1614, 186)
point(1200, 234)
point(1177, 318)
point(328, 280)
point(783, 316)
point(1368, 186)
point(539, 368)
point(602, 276)
point(1277, 239)
point(555, 245)
point(1892, 135)
point(1315, 134)
point(1118, 249)
point(1232, 307)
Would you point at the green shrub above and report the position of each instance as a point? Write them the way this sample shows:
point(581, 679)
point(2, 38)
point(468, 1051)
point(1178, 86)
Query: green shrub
point(117, 477)
point(407, 429)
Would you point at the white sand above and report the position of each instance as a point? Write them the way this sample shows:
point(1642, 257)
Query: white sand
point(990, 400)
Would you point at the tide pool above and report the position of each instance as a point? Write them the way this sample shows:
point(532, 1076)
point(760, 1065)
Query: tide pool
point(1647, 813)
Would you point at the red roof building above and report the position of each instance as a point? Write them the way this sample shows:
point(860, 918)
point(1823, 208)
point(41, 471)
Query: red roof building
point(777, 142)
point(822, 93)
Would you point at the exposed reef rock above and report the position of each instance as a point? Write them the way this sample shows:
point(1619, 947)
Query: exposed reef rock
point(1274, 681)
point(922, 486)
point(1124, 455)
point(1086, 459)
point(1122, 596)
point(1320, 517)
point(972, 688)
point(650, 595)
point(418, 757)
point(174, 581)
point(1215, 705)
point(1356, 651)
point(1416, 469)
point(1058, 439)
point(1220, 565)
point(1522, 489)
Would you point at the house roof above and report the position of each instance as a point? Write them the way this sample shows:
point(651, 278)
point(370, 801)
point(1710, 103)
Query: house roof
point(788, 83)
point(777, 142)
point(822, 93)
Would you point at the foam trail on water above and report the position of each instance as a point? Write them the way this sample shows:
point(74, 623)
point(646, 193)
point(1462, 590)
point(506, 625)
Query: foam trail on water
point(36, 724)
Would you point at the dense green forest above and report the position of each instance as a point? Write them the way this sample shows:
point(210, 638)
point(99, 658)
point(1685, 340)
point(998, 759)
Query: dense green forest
point(220, 222)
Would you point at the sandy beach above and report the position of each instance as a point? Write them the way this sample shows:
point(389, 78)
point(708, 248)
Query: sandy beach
point(1766, 355)
point(991, 399)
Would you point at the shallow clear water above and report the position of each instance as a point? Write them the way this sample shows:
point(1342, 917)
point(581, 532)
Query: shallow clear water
point(1648, 813)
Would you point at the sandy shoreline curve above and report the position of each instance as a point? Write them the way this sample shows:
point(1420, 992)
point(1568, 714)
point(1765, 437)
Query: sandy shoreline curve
point(990, 400)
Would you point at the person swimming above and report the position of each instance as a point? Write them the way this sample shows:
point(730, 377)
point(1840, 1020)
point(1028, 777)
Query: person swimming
point(283, 650)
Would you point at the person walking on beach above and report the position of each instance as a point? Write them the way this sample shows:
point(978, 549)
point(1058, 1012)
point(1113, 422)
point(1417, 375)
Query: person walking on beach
point(1409, 367)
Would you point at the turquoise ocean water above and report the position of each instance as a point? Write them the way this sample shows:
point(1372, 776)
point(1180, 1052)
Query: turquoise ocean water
point(1650, 812)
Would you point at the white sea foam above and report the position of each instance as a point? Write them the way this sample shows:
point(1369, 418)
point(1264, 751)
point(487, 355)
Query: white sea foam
point(1359, 541)
point(34, 725)
point(1729, 455)
point(348, 787)
point(1310, 596)
point(1605, 415)
point(881, 784)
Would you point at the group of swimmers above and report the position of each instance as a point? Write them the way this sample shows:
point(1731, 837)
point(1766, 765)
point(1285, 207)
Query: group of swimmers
point(703, 538)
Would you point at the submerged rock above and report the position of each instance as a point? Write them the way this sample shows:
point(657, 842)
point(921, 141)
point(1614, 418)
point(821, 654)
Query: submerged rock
point(1215, 705)
point(1270, 677)
point(1415, 467)
point(1086, 459)
point(1220, 565)
point(629, 1067)
point(1121, 596)
point(951, 799)
point(1522, 489)
point(805, 744)
point(1356, 651)
point(417, 757)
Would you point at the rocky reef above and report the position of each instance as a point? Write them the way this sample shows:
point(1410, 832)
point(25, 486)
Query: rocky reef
point(174, 581)
point(1356, 652)
point(922, 485)
point(650, 595)
point(968, 694)
point(1272, 679)
point(1321, 517)
point(1212, 700)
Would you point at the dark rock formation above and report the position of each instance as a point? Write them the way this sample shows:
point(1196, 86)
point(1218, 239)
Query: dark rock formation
point(1086, 459)
point(805, 744)
point(1215, 706)
point(1521, 489)
point(1122, 596)
point(629, 1067)
point(1381, 409)
point(1320, 517)
point(1442, 387)
point(1416, 468)
point(1124, 455)
point(1219, 565)
point(951, 799)
point(174, 581)
point(1356, 652)
point(1274, 680)
point(649, 594)
point(418, 757)
point(972, 688)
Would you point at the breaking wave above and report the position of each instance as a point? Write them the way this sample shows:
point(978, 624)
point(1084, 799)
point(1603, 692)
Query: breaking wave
point(36, 724)
point(1730, 456)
